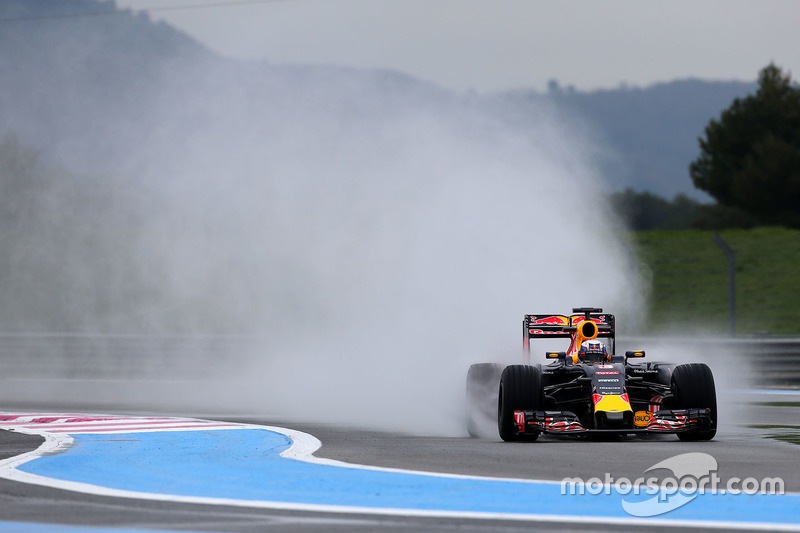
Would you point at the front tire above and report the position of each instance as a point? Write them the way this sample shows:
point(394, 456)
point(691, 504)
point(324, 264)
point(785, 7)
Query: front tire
point(520, 390)
point(693, 388)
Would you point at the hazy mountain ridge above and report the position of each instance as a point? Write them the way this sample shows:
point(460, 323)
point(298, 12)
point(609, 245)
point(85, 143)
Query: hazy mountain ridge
point(655, 129)
point(204, 194)
point(68, 77)
point(72, 82)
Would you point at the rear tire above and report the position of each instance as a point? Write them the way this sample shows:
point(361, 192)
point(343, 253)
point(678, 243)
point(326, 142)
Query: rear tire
point(520, 390)
point(483, 380)
point(693, 387)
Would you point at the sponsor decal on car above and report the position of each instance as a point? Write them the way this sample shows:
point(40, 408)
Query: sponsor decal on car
point(655, 403)
point(642, 418)
point(554, 320)
point(612, 403)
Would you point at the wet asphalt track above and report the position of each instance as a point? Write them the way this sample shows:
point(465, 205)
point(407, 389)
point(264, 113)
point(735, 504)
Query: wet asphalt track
point(741, 451)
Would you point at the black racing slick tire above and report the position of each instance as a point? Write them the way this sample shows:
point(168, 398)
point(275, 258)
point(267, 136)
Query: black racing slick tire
point(520, 390)
point(483, 380)
point(693, 388)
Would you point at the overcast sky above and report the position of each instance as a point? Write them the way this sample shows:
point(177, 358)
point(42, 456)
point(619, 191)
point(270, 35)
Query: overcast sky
point(491, 45)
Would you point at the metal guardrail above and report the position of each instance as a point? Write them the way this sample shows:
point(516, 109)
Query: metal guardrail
point(97, 356)
point(770, 361)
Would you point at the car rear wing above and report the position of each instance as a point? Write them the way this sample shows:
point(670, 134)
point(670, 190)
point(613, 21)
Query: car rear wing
point(565, 326)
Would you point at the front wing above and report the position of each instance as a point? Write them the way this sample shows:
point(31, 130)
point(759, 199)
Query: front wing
point(567, 423)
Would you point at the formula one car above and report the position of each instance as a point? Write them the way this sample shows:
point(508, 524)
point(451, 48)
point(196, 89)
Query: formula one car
point(588, 389)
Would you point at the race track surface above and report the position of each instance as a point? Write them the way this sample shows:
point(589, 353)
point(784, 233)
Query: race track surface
point(740, 451)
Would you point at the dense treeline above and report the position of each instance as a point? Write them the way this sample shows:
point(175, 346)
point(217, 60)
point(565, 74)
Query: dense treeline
point(645, 211)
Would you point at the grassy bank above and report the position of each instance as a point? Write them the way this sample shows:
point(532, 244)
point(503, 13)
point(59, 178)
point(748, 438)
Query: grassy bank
point(690, 280)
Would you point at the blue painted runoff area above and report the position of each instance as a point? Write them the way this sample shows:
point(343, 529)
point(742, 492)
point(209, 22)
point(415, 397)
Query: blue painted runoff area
point(244, 464)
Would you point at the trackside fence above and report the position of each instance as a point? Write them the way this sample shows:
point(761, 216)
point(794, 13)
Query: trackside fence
point(771, 361)
point(91, 356)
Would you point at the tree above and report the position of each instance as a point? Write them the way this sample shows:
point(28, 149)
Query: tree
point(750, 157)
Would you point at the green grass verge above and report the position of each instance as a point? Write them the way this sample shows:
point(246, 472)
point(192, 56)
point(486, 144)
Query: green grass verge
point(690, 280)
point(791, 439)
point(788, 433)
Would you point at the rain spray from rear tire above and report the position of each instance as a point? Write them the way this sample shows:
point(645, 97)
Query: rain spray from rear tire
point(481, 405)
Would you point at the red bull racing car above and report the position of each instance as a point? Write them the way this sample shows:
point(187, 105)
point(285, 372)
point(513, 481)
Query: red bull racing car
point(588, 389)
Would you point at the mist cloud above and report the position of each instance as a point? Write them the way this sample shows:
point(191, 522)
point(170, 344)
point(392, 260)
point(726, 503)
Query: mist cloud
point(375, 233)
point(379, 237)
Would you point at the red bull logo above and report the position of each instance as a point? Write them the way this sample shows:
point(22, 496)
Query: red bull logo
point(550, 320)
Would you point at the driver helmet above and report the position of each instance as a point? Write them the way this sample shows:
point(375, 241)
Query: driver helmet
point(593, 351)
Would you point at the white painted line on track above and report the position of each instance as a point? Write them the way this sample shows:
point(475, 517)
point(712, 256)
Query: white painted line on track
point(83, 423)
point(304, 446)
